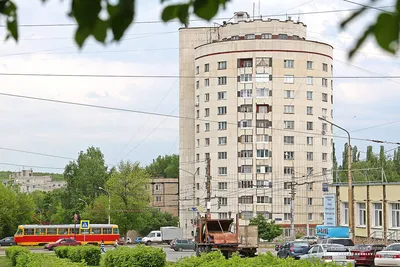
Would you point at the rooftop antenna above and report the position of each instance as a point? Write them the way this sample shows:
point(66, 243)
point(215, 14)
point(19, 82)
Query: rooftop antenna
point(254, 6)
point(259, 8)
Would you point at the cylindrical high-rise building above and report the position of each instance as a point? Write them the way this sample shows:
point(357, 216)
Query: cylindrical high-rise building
point(251, 93)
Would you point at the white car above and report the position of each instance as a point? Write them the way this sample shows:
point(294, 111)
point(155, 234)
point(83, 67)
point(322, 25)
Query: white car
point(390, 256)
point(338, 254)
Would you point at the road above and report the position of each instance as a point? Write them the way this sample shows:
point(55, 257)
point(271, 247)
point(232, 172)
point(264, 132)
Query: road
point(171, 254)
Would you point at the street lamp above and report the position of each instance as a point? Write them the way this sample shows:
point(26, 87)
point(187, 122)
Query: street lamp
point(80, 199)
point(194, 191)
point(350, 181)
point(109, 201)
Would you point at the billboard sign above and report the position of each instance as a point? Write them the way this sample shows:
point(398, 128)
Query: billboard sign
point(330, 210)
point(323, 231)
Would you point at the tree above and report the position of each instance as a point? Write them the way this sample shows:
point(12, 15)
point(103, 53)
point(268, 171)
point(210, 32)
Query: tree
point(129, 197)
point(385, 29)
point(98, 17)
point(267, 230)
point(166, 166)
point(98, 211)
point(155, 219)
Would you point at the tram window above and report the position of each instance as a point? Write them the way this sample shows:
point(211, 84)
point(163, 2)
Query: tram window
point(84, 231)
point(29, 231)
point(51, 231)
point(96, 231)
point(63, 231)
point(72, 231)
point(107, 231)
point(40, 231)
point(19, 232)
point(115, 231)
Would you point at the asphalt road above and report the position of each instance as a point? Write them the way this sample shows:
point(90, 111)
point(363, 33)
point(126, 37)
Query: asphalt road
point(171, 254)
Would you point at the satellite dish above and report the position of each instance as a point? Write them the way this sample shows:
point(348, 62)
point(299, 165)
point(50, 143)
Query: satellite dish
point(323, 132)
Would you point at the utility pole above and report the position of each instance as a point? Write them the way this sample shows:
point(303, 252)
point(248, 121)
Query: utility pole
point(293, 193)
point(208, 186)
point(307, 189)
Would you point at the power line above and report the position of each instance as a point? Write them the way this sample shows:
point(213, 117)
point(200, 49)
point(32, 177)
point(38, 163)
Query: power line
point(30, 166)
point(35, 153)
point(280, 12)
point(180, 117)
point(367, 6)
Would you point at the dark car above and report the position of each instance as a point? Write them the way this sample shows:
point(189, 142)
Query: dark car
point(365, 254)
point(8, 241)
point(183, 244)
point(62, 242)
point(293, 249)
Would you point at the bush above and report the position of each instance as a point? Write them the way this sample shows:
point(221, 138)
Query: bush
point(89, 254)
point(13, 252)
point(139, 256)
point(62, 252)
point(44, 260)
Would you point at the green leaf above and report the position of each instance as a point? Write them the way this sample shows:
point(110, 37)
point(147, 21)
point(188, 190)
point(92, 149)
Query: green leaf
point(386, 31)
point(81, 34)
point(170, 12)
point(183, 13)
point(121, 18)
point(206, 9)
point(100, 30)
point(12, 27)
point(360, 41)
point(86, 12)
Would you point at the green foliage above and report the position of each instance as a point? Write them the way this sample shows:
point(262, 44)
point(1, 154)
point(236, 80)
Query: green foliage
point(267, 230)
point(166, 166)
point(62, 252)
point(44, 260)
point(139, 256)
point(4, 175)
point(98, 211)
point(155, 219)
point(14, 252)
point(385, 29)
point(91, 255)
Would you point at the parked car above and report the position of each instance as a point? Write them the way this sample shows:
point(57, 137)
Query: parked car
point(311, 240)
point(183, 244)
point(338, 254)
point(389, 256)
point(293, 249)
point(278, 247)
point(365, 254)
point(8, 241)
point(63, 242)
point(347, 242)
point(138, 240)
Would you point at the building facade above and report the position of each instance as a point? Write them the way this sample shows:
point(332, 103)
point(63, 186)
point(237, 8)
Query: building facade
point(164, 194)
point(28, 182)
point(251, 92)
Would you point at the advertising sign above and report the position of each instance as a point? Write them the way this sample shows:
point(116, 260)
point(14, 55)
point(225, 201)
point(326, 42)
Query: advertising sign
point(323, 231)
point(330, 210)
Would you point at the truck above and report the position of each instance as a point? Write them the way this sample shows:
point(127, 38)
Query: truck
point(164, 235)
point(226, 236)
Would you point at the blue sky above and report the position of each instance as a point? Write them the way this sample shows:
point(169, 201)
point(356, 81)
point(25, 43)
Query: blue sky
point(152, 49)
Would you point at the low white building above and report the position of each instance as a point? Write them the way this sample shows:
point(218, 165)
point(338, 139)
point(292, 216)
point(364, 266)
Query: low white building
point(28, 183)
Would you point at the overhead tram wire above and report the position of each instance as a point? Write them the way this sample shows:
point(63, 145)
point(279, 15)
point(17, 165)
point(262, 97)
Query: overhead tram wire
point(31, 166)
point(177, 116)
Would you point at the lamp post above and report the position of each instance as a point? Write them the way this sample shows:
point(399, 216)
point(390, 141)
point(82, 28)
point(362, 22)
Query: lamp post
point(194, 191)
point(350, 181)
point(109, 203)
point(80, 199)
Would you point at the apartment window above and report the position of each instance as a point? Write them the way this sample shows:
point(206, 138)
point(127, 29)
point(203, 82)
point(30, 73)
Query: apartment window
point(206, 67)
point(289, 94)
point(158, 199)
point(246, 93)
point(324, 156)
point(207, 113)
point(197, 84)
point(288, 63)
point(263, 199)
point(288, 109)
point(288, 79)
point(222, 215)
point(245, 63)
point(263, 153)
point(309, 110)
point(263, 109)
point(287, 185)
point(309, 201)
point(222, 155)
point(223, 201)
point(331, 113)
point(245, 184)
point(245, 169)
point(236, 37)
point(197, 128)
point(222, 65)
point(197, 114)
point(207, 127)
point(206, 82)
point(377, 214)
point(288, 155)
point(246, 200)
point(246, 108)
point(288, 124)
point(206, 97)
point(345, 216)
point(250, 36)
point(222, 141)
point(288, 171)
point(198, 143)
point(310, 155)
point(362, 219)
point(243, 78)
point(263, 184)
point(331, 99)
point(309, 125)
point(309, 65)
point(222, 170)
point(324, 82)
point(221, 110)
point(324, 97)
point(197, 70)
point(245, 124)
point(310, 216)
point(222, 185)
point(309, 80)
point(207, 155)
point(324, 127)
point(197, 100)
point(197, 157)
point(244, 139)
point(262, 92)
point(324, 112)
point(324, 141)
point(207, 142)
point(263, 124)
point(332, 84)
point(395, 214)
point(246, 154)
point(288, 140)
point(263, 138)
point(286, 200)
point(324, 67)
point(222, 80)
point(309, 95)
point(263, 169)
point(282, 36)
point(266, 36)
point(286, 217)
point(221, 95)
point(309, 172)
point(324, 171)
